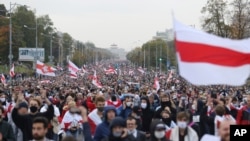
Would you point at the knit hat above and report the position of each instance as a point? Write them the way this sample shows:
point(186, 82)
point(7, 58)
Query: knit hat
point(117, 121)
point(23, 105)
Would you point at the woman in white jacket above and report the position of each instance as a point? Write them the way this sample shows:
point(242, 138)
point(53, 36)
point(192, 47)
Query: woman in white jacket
point(182, 132)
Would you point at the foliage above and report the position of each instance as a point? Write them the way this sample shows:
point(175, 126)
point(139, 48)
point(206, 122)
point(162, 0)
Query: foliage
point(158, 53)
point(231, 20)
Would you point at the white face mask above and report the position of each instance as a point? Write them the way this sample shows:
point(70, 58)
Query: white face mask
point(2, 99)
point(159, 134)
point(193, 107)
point(129, 104)
point(182, 124)
point(143, 105)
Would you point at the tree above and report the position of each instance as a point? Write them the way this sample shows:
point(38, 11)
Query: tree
point(215, 18)
point(240, 19)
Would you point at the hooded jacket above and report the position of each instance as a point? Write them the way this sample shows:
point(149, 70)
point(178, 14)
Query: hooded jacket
point(117, 121)
point(102, 130)
point(152, 130)
point(147, 116)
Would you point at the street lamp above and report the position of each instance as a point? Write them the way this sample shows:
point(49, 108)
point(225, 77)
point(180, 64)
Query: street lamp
point(36, 57)
point(10, 56)
point(50, 57)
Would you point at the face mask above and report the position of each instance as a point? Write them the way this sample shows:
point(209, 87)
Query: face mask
point(182, 124)
point(33, 109)
point(115, 102)
point(100, 109)
point(159, 134)
point(2, 99)
point(167, 121)
point(117, 134)
point(193, 107)
point(143, 105)
point(128, 104)
point(113, 98)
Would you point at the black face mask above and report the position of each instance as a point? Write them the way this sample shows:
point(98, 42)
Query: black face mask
point(100, 109)
point(33, 109)
point(113, 98)
point(167, 121)
point(165, 104)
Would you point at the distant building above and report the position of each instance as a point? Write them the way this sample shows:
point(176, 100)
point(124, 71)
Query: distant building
point(119, 52)
point(167, 35)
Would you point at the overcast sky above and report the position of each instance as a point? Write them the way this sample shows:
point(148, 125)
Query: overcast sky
point(127, 23)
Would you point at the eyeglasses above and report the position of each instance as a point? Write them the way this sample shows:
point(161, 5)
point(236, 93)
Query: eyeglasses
point(130, 123)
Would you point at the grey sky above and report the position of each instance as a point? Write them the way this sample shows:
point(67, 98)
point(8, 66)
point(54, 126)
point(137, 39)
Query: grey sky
point(127, 23)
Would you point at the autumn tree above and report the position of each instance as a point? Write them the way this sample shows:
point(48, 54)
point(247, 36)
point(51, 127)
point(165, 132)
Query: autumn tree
point(240, 19)
point(214, 18)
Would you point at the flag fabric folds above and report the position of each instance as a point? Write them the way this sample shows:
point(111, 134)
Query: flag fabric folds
point(44, 69)
point(95, 81)
point(73, 69)
point(206, 59)
point(12, 72)
point(3, 80)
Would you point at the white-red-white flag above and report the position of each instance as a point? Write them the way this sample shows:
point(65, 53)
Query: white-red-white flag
point(111, 70)
point(156, 83)
point(206, 59)
point(95, 81)
point(73, 69)
point(3, 80)
point(44, 69)
point(141, 70)
point(12, 72)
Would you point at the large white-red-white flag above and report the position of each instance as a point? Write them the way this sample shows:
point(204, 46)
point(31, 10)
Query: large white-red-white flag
point(206, 59)
point(3, 80)
point(73, 69)
point(95, 81)
point(44, 69)
point(12, 72)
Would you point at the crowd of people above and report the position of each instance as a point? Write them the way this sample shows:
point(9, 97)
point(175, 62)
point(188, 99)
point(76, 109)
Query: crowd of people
point(128, 107)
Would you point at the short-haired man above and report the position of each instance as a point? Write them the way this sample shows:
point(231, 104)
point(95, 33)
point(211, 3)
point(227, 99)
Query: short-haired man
point(133, 133)
point(95, 117)
point(40, 129)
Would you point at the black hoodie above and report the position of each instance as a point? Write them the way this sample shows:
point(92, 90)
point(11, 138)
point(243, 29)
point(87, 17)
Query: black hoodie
point(117, 121)
point(152, 130)
point(147, 116)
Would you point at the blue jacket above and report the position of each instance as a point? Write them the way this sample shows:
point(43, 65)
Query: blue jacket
point(102, 130)
point(124, 112)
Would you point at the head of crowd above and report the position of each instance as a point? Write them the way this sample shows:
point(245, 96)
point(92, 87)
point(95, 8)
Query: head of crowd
point(126, 108)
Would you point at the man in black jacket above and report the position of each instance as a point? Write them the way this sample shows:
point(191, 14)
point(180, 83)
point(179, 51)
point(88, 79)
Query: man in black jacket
point(133, 133)
point(24, 122)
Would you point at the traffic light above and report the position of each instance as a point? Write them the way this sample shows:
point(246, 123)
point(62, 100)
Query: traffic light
point(160, 59)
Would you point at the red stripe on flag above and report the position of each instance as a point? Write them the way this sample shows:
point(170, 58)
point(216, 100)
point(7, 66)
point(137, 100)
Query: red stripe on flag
point(204, 53)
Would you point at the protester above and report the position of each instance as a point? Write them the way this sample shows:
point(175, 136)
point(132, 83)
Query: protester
point(103, 129)
point(182, 132)
point(6, 130)
point(40, 129)
point(24, 122)
point(133, 133)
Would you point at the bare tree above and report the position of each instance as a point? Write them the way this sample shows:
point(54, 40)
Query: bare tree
point(215, 18)
point(240, 20)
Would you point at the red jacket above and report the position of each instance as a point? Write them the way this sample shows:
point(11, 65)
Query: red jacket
point(90, 105)
point(243, 116)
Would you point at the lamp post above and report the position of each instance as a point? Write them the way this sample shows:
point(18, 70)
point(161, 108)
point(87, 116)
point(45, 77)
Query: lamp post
point(10, 56)
point(36, 57)
point(50, 57)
